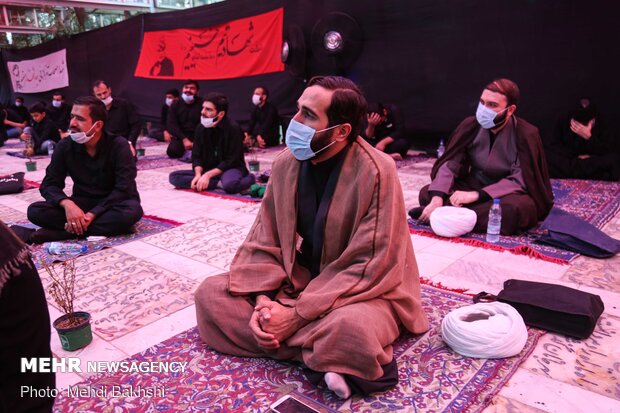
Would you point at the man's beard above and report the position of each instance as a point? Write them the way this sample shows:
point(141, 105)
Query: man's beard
point(321, 140)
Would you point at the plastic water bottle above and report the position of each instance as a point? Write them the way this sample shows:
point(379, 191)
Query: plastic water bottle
point(66, 248)
point(441, 149)
point(50, 148)
point(495, 221)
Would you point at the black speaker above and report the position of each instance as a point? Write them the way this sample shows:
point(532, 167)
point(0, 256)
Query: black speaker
point(337, 39)
point(294, 51)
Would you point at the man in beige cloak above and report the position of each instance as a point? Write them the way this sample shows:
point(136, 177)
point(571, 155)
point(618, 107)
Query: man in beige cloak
point(327, 274)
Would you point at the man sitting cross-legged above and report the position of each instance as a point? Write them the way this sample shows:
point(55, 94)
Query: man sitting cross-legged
point(105, 199)
point(217, 152)
point(327, 274)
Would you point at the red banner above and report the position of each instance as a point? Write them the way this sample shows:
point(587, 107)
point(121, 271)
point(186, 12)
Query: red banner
point(243, 47)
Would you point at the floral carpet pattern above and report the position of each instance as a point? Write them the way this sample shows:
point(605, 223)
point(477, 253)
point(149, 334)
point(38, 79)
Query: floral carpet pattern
point(432, 377)
point(148, 225)
point(596, 202)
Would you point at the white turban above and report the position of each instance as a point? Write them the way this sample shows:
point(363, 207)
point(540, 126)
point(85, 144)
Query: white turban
point(485, 330)
point(451, 221)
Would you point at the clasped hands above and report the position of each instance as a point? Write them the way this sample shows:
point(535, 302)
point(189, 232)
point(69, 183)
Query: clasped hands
point(272, 323)
point(77, 220)
point(457, 199)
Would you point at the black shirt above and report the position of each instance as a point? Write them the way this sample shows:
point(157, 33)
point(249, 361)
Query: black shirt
point(10, 114)
point(109, 176)
point(23, 113)
point(312, 184)
point(265, 121)
point(60, 115)
point(46, 129)
point(123, 120)
point(219, 147)
point(183, 118)
point(164, 115)
point(393, 127)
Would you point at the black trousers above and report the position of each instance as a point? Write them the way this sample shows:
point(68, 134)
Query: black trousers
point(518, 210)
point(400, 146)
point(176, 149)
point(604, 167)
point(233, 180)
point(116, 220)
point(24, 332)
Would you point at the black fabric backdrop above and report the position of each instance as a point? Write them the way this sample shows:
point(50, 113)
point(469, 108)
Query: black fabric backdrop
point(430, 57)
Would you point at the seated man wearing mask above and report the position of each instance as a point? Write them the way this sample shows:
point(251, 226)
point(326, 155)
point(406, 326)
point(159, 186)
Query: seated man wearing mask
point(105, 199)
point(264, 121)
point(492, 155)
point(60, 111)
point(183, 118)
point(327, 274)
point(217, 153)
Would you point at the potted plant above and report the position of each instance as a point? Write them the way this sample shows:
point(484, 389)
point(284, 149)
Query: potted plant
point(73, 327)
point(29, 152)
point(253, 164)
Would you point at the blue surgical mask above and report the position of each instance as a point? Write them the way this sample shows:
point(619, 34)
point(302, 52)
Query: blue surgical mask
point(187, 98)
point(298, 140)
point(488, 118)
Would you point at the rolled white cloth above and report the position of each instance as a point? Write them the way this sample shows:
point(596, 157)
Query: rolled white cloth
point(485, 330)
point(451, 221)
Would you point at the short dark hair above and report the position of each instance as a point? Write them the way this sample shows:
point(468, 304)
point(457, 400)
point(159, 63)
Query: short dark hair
point(265, 90)
point(19, 98)
point(96, 107)
point(98, 82)
point(348, 103)
point(219, 100)
point(507, 88)
point(37, 108)
point(62, 97)
point(173, 92)
point(192, 82)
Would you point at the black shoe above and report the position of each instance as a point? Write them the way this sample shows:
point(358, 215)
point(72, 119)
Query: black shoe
point(48, 235)
point(416, 212)
point(23, 233)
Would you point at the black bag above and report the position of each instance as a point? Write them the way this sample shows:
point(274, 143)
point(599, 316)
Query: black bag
point(551, 307)
point(12, 184)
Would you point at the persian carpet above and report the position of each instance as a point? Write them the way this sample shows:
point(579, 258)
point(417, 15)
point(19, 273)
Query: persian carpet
point(148, 225)
point(432, 377)
point(30, 184)
point(244, 196)
point(412, 159)
point(158, 161)
point(596, 202)
point(20, 154)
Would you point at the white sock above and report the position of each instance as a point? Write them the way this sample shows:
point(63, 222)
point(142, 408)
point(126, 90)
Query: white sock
point(336, 383)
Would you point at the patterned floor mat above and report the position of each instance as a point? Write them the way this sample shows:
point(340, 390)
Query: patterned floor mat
point(432, 377)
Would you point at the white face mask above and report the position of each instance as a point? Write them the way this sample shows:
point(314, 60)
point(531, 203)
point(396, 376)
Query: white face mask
point(169, 101)
point(207, 122)
point(56, 103)
point(256, 99)
point(82, 137)
point(107, 100)
point(187, 98)
point(18, 104)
